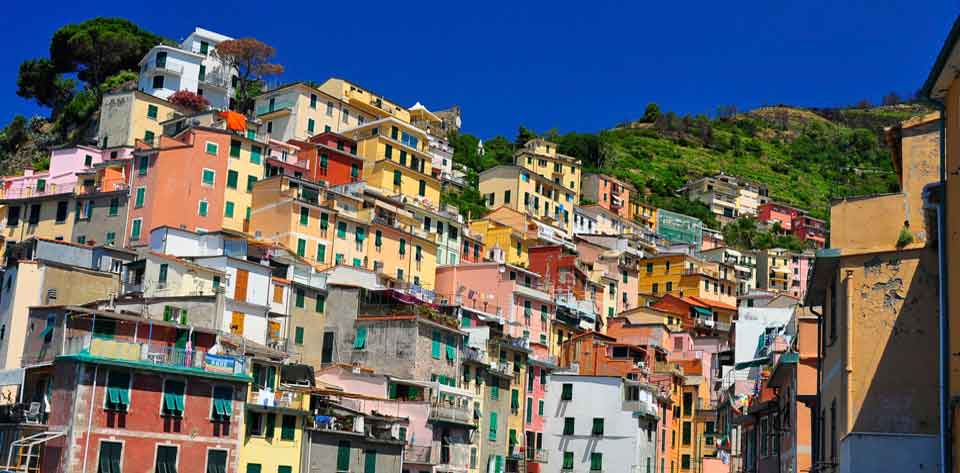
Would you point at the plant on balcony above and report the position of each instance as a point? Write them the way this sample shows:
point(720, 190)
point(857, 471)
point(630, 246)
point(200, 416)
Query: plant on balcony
point(189, 101)
point(906, 236)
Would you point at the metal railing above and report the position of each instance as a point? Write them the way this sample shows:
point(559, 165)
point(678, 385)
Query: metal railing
point(155, 354)
point(279, 398)
point(451, 413)
point(164, 68)
point(538, 455)
point(276, 106)
point(421, 455)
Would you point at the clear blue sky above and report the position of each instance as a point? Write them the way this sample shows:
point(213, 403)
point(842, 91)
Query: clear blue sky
point(574, 66)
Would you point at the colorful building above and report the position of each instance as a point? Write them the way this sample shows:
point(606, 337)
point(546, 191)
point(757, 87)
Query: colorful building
point(275, 417)
point(331, 158)
point(683, 275)
point(366, 100)
point(728, 197)
point(544, 159)
point(610, 193)
point(129, 117)
point(193, 65)
point(525, 191)
point(289, 211)
point(299, 111)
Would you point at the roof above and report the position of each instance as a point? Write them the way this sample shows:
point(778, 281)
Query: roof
point(944, 57)
point(713, 304)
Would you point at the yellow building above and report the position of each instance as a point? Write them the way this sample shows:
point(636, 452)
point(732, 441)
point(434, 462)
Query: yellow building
point(680, 274)
point(399, 247)
point(273, 422)
point(395, 160)
point(126, 117)
point(525, 191)
point(48, 216)
point(298, 111)
point(645, 214)
point(498, 233)
point(542, 157)
point(289, 211)
point(366, 100)
point(943, 88)
point(245, 166)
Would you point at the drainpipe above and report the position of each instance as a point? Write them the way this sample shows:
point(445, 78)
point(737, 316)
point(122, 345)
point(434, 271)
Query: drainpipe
point(946, 407)
point(93, 394)
point(817, 420)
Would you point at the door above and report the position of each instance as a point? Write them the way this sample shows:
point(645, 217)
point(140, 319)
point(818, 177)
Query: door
point(236, 323)
point(240, 288)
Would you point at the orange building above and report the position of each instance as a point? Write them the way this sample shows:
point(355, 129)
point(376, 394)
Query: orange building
point(331, 158)
point(180, 183)
point(288, 210)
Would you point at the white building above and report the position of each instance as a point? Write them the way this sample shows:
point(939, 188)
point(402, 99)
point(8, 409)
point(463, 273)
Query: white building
point(193, 66)
point(582, 435)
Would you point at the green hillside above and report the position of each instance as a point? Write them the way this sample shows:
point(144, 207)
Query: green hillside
point(805, 157)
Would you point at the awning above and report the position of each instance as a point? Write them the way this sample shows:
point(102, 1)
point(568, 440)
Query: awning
point(703, 311)
point(754, 363)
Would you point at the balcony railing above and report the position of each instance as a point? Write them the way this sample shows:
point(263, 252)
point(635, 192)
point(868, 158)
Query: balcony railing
point(538, 455)
point(421, 455)
point(155, 355)
point(531, 292)
point(441, 411)
point(23, 192)
point(276, 106)
point(503, 368)
point(164, 68)
point(279, 398)
point(475, 355)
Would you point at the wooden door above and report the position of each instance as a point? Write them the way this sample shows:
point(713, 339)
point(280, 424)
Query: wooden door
point(236, 323)
point(240, 288)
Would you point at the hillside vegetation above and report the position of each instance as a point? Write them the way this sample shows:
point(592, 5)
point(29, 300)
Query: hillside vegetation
point(806, 157)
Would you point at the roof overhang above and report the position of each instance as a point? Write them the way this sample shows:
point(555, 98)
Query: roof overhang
point(946, 68)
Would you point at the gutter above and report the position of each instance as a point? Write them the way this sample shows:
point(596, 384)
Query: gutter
point(946, 408)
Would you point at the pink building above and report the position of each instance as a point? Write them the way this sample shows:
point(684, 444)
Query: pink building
point(608, 192)
point(511, 293)
point(810, 229)
point(61, 177)
point(800, 266)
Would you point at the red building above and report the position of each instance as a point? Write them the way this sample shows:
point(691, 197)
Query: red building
point(472, 248)
point(561, 272)
point(810, 229)
point(331, 157)
point(773, 212)
point(110, 392)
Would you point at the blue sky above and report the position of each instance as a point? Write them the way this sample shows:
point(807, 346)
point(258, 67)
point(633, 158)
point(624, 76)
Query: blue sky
point(574, 66)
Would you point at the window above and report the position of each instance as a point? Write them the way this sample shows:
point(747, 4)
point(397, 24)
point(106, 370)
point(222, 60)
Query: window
point(212, 148)
point(251, 180)
point(118, 391)
point(686, 434)
point(62, 209)
point(687, 400)
point(343, 455)
point(567, 393)
point(596, 461)
point(342, 230)
point(360, 341)
point(109, 458)
point(232, 177)
point(162, 278)
point(228, 209)
point(203, 74)
point(173, 397)
point(540, 408)
point(111, 239)
point(255, 153)
point(684, 462)
point(321, 252)
point(157, 82)
point(313, 101)
point(329, 109)
point(493, 426)
point(202, 208)
point(235, 148)
point(597, 426)
point(166, 459)
point(304, 216)
point(656, 288)
point(311, 125)
point(34, 217)
point(346, 116)
point(300, 298)
point(222, 407)
point(435, 345)
point(112, 212)
point(135, 229)
point(216, 461)
point(204, 47)
point(142, 164)
point(568, 424)
point(423, 188)
point(148, 137)
point(669, 286)
point(567, 461)
point(288, 427)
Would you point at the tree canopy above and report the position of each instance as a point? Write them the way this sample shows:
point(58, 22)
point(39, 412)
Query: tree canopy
point(250, 58)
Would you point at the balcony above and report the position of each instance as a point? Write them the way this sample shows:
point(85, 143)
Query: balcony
point(163, 68)
point(276, 106)
point(25, 192)
point(421, 455)
point(538, 455)
point(515, 452)
point(280, 398)
point(532, 293)
point(476, 356)
point(502, 368)
point(448, 412)
point(155, 356)
point(219, 81)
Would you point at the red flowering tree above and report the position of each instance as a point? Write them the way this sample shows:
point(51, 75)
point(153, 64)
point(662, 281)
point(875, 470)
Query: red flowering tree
point(249, 58)
point(189, 100)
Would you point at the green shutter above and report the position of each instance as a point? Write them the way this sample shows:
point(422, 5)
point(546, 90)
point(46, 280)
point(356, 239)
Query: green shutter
point(540, 408)
point(360, 342)
point(135, 230)
point(567, 393)
point(495, 391)
point(493, 425)
point(597, 426)
point(321, 252)
point(324, 221)
point(341, 230)
point(435, 348)
point(140, 197)
point(378, 239)
point(232, 177)
point(514, 399)
point(251, 180)
point(114, 207)
point(301, 247)
point(253, 468)
point(567, 460)
point(271, 424)
point(288, 427)
point(255, 154)
point(142, 164)
point(529, 410)
point(568, 425)
point(212, 148)
point(370, 461)
point(203, 208)
point(235, 148)
point(397, 178)
point(596, 461)
point(403, 247)
point(152, 111)
point(324, 161)
point(343, 455)
point(321, 303)
point(304, 216)
point(451, 347)
point(298, 336)
point(228, 210)
point(300, 295)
